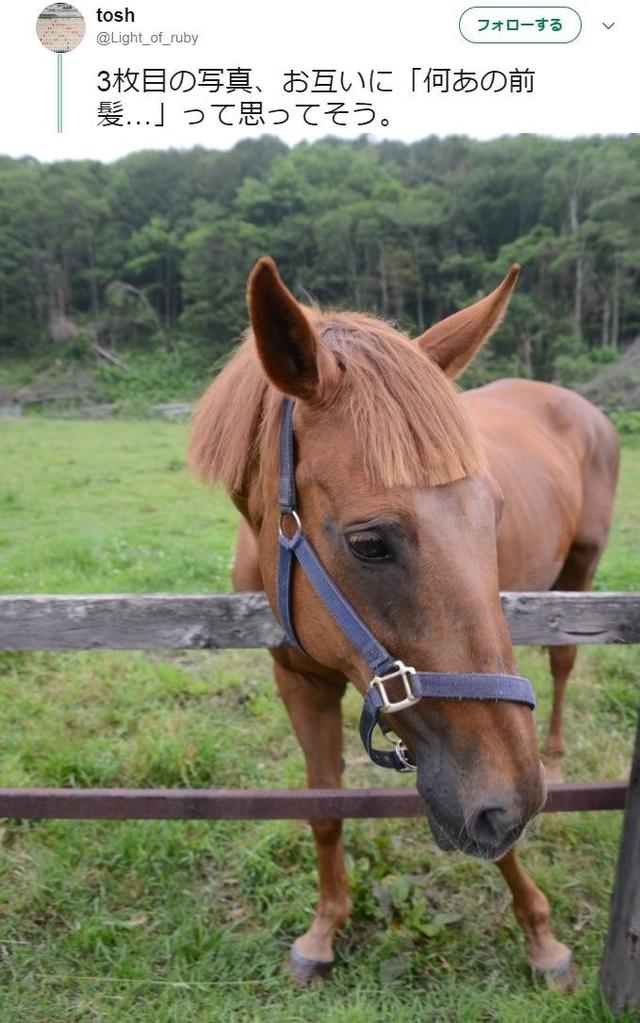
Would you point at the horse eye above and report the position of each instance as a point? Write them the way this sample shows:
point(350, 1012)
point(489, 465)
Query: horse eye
point(369, 546)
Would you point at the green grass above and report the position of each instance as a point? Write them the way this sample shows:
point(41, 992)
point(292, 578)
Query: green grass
point(190, 921)
point(107, 506)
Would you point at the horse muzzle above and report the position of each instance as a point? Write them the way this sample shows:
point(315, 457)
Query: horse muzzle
point(484, 826)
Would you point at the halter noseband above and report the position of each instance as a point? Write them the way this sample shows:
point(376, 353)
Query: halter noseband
point(416, 685)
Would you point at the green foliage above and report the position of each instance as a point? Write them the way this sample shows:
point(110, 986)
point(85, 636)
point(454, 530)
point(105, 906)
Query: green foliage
point(80, 348)
point(159, 245)
point(575, 365)
point(162, 374)
point(627, 424)
point(215, 311)
point(128, 318)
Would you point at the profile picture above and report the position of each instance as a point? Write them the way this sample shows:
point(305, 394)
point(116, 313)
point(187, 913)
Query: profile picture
point(60, 27)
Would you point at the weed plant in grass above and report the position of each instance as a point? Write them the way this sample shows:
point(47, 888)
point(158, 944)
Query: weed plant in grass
point(190, 921)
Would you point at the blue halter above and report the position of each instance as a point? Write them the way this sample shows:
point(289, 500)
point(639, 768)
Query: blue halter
point(412, 685)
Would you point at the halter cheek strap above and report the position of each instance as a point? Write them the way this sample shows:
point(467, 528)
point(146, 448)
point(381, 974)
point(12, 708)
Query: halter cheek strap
point(407, 684)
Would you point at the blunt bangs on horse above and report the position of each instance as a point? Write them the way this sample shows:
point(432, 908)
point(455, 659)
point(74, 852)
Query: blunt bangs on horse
point(409, 423)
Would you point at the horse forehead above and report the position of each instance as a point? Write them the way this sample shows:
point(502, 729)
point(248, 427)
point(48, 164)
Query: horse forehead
point(465, 499)
point(343, 487)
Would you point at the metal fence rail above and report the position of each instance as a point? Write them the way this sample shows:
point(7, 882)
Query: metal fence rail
point(265, 804)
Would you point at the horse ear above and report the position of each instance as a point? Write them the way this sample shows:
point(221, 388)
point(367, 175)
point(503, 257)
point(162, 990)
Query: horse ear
point(454, 342)
point(291, 352)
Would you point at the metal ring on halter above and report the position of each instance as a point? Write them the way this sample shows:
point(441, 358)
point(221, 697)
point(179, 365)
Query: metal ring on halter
point(292, 513)
point(399, 746)
point(402, 754)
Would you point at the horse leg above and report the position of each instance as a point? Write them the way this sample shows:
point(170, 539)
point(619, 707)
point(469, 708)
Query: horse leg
point(547, 957)
point(313, 705)
point(577, 574)
point(562, 659)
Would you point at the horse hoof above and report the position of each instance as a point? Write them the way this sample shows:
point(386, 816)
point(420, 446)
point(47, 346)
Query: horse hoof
point(562, 976)
point(306, 971)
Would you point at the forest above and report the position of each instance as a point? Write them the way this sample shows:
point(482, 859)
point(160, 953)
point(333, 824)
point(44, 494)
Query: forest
point(149, 256)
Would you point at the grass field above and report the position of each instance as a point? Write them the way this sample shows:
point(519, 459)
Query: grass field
point(160, 922)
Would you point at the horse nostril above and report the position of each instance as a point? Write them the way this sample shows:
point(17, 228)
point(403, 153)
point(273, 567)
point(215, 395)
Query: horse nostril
point(490, 825)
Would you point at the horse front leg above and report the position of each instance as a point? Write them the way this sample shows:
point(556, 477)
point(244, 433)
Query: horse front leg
point(562, 659)
point(313, 705)
point(547, 956)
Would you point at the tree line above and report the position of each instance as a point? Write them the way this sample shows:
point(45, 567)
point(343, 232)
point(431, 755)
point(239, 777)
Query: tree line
point(153, 251)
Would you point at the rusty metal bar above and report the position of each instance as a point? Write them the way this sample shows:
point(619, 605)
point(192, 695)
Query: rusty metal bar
point(264, 804)
point(574, 797)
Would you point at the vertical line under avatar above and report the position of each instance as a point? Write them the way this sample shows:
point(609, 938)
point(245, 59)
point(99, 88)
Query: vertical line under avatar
point(59, 93)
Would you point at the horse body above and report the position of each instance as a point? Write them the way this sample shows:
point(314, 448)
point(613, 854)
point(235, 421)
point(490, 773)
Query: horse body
point(422, 504)
point(555, 457)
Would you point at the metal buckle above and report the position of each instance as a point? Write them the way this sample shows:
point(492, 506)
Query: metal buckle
point(296, 518)
point(405, 674)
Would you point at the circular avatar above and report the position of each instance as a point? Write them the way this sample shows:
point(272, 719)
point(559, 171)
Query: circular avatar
point(60, 27)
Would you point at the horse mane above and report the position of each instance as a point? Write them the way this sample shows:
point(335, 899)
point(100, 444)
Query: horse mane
point(409, 423)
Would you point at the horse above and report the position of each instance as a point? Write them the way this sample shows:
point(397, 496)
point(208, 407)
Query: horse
point(422, 503)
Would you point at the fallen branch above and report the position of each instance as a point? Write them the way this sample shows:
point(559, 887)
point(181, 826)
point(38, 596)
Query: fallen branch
point(110, 357)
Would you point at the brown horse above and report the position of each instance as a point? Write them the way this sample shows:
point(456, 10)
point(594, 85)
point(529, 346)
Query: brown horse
point(422, 504)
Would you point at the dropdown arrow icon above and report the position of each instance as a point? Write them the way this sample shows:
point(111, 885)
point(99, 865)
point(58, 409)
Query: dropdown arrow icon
point(608, 26)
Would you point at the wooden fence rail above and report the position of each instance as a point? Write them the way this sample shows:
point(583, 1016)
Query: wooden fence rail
point(163, 621)
point(244, 620)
